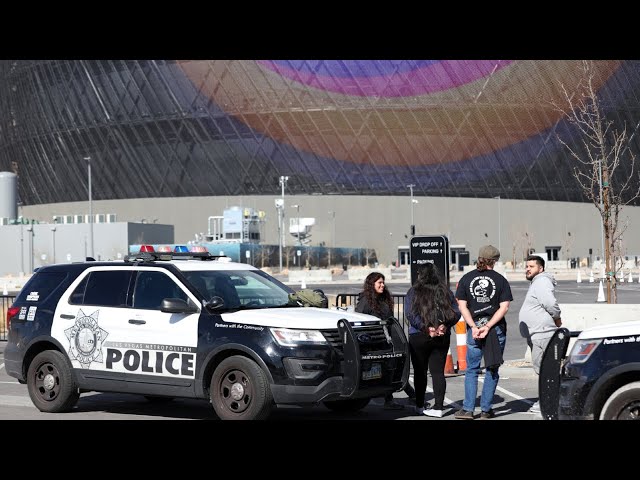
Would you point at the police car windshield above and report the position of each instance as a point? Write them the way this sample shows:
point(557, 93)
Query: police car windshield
point(239, 289)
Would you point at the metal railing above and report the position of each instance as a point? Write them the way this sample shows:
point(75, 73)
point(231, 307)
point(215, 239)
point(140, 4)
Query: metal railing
point(345, 300)
point(5, 302)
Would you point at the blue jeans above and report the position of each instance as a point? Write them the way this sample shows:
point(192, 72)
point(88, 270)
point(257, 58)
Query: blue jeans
point(491, 377)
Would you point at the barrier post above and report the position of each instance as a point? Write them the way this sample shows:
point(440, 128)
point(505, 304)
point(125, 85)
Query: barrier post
point(448, 366)
point(461, 342)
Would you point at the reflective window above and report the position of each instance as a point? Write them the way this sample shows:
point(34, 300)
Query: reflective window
point(40, 286)
point(104, 288)
point(153, 287)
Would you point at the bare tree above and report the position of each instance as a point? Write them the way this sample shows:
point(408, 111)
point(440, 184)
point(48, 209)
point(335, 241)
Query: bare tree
point(602, 149)
point(370, 253)
point(264, 255)
point(349, 255)
point(527, 241)
point(288, 253)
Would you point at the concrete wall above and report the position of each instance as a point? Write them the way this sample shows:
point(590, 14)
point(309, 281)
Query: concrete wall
point(381, 222)
point(21, 250)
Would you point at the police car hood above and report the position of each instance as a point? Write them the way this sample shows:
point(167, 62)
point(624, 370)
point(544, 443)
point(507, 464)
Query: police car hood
point(297, 317)
point(621, 329)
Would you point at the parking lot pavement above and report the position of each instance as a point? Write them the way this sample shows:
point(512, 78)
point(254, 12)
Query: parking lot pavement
point(517, 390)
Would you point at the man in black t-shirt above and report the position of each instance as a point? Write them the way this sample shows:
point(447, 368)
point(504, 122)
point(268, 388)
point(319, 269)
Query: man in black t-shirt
point(483, 298)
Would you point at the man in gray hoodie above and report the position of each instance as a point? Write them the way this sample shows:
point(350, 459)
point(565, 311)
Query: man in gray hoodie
point(540, 314)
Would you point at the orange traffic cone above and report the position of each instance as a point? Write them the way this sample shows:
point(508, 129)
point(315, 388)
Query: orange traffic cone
point(461, 341)
point(448, 366)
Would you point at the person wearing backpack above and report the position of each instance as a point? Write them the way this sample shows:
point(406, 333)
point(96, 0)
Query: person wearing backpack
point(375, 299)
point(432, 310)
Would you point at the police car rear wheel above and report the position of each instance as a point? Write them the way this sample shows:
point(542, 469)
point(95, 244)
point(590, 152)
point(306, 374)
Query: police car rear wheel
point(50, 382)
point(240, 390)
point(623, 404)
point(352, 405)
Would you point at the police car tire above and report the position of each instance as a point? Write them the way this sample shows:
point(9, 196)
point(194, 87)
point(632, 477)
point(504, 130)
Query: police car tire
point(257, 400)
point(65, 393)
point(621, 399)
point(351, 405)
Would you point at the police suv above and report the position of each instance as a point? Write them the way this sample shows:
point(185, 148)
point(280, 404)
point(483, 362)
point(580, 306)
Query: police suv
point(600, 378)
point(193, 325)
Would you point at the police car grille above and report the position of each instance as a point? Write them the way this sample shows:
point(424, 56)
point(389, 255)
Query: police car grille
point(378, 340)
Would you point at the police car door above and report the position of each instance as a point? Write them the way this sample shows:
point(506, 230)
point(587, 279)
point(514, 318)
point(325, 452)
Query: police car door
point(110, 338)
point(156, 343)
point(89, 317)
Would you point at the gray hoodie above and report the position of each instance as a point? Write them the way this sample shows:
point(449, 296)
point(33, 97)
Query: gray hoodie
point(540, 306)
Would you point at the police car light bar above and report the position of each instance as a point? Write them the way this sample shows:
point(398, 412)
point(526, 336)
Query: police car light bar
point(165, 256)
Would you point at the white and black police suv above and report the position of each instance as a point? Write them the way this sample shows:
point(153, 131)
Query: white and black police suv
point(599, 379)
point(193, 325)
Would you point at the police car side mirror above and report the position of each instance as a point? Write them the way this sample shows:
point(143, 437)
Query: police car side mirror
point(176, 305)
point(214, 303)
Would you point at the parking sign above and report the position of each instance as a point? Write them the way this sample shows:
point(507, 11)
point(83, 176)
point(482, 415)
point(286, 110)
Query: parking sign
point(431, 249)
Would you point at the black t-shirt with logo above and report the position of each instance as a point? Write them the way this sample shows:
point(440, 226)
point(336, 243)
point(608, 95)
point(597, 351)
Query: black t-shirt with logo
point(483, 292)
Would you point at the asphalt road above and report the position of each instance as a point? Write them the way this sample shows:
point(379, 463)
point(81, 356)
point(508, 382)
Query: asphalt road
point(517, 388)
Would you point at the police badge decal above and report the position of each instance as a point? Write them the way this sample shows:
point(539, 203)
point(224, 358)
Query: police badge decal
point(85, 339)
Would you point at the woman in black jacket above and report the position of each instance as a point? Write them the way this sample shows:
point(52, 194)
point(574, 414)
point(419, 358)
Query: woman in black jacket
point(432, 310)
point(376, 300)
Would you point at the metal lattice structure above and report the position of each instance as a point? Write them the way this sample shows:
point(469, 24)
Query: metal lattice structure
point(153, 128)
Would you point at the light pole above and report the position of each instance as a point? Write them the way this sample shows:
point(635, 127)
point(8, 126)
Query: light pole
point(53, 242)
point(412, 229)
point(332, 216)
point(499, 225)
point(283, 183)
point(31, 234)
point(297, 207)
point(88, 160)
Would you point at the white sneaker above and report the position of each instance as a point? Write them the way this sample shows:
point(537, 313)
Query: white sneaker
point(432, 412)
point(535, 408)
point(420, 410)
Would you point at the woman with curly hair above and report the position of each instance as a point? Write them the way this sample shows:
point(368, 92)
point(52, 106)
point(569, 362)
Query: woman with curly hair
point(432, 310)
point(375, 299)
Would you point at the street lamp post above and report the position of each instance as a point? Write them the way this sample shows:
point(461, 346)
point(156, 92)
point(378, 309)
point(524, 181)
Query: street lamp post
point(283, 183)
point(499, 224)
point(413, 226)
point(21, 238)
point(332, 215)
point(297, 207)
point(88, 160)
point(53, 243)
point(31, 234)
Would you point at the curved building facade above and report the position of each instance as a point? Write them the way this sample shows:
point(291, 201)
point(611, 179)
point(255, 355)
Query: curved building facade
point(479, 129)
point(476, 128)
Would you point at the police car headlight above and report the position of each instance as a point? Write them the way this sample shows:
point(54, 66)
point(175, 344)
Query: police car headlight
point(582, 350)
point(291, 338)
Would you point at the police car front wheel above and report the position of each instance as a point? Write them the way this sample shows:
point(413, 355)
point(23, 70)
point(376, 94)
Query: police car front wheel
point(50, 382)
point(240, 390)
point(623, 404)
